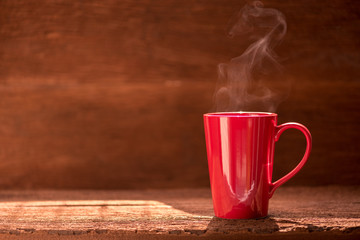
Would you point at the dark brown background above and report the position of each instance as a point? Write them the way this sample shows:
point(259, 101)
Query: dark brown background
point(110, 94)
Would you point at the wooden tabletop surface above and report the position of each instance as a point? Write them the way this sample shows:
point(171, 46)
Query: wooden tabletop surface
point(332, 211)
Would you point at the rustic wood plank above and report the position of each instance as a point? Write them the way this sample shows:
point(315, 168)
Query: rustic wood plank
point(332, 211)
point(101, 94)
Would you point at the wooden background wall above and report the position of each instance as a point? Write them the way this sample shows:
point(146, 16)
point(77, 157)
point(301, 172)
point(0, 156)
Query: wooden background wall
point(110, 94)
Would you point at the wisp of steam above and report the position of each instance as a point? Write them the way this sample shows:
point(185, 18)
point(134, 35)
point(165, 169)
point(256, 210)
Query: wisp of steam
point(244, 81)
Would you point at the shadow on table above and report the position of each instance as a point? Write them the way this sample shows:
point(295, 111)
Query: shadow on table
point(263, 225)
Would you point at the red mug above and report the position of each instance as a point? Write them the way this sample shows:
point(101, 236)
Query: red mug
point(240, 150)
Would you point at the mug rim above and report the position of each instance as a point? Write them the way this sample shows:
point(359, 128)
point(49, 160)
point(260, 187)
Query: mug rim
point(241, 114)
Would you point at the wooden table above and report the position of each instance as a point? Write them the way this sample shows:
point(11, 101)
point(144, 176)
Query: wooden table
point(297, 212)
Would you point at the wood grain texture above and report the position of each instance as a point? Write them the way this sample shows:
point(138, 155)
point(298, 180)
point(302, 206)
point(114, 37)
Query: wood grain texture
point(110, 94)
point(294, 212)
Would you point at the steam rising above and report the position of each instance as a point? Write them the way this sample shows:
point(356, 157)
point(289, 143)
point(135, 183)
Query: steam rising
point(244, 81)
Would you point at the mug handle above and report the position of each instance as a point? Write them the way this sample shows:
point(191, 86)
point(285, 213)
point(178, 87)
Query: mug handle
point(278, 131)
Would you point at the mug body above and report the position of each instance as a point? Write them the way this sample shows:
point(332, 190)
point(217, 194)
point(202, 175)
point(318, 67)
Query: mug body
point(240, 149)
